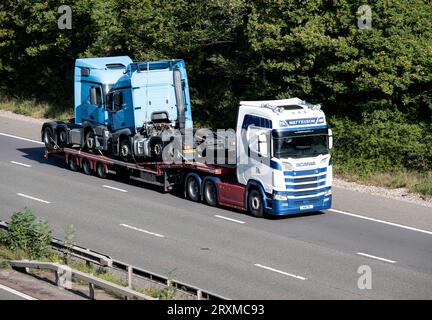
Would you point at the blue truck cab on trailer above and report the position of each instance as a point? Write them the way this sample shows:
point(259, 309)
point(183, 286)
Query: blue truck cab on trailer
point(124, 107)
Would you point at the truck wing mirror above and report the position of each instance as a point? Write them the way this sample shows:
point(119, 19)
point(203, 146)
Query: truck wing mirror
point(96, 96)
point(108, 102)
point(93, 96)
point(263, 145)
point(330, 139)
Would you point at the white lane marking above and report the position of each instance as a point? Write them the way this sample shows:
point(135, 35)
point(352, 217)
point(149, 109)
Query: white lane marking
point(21, 164)
point(116, 189)
point(17, 293)
point(375, 257)
point(20, 138)
point(229, 219)
point(381, 221)
point(142, 230)
point(32, 198)
point(281, 272)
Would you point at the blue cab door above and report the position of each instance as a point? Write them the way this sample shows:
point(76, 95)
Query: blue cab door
point(118, 117)
point(94, 111)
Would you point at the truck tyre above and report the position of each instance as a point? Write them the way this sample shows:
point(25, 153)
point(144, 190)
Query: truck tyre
point(193, 189)
point(73, 164)
point(90, 140)
point(100, 170)
point(48, 137)
point(125, 150)
point(255, 204)
point(86, 167)
point(61, 137)
point(210, 193)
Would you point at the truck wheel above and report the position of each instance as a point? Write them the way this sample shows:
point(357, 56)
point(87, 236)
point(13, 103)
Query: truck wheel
point(210, 193)
point(125, 150)
point(193, 189)
point(48, 137)
point(73, 164)
point(255, 204)
point(100, 170)
point(62, 137)
point(86, 167)
point(90, 140)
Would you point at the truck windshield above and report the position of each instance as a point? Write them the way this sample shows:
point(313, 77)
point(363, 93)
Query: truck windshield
point(300, 146)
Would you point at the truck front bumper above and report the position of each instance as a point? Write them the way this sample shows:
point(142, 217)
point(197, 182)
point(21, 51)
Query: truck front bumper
point(298, 206)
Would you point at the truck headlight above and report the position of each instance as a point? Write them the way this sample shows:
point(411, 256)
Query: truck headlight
point(287, 166)
point(328, 193)
point(324, 160)
point(280, 197)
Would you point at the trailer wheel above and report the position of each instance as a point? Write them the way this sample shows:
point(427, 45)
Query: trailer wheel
point(73, 163)
point(193, 189)
point(86, 167)
point(210, 193)
point(255, 204)
point(100, 170)
point(48, 137)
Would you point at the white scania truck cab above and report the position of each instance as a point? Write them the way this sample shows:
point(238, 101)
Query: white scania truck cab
point(283, 155)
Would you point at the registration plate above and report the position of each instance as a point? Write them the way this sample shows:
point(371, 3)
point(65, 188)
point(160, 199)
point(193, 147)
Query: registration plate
point(306, 207)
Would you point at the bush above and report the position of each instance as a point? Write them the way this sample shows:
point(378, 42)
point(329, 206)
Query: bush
point(30, 235)
point(383, 141)
point(3, 237)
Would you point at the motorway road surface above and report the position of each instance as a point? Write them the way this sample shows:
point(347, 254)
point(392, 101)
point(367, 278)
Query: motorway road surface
point(7, 293)
point(313, 256)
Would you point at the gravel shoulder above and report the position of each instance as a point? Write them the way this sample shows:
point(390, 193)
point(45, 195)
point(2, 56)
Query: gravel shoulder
point(400, 194)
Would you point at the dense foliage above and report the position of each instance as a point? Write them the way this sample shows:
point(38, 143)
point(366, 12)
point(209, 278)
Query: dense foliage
point(28, 234)
point(376, 83)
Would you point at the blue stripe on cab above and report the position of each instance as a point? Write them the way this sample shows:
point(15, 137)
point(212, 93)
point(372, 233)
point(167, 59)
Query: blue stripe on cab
point(306, 193)
point(275, 165)
point(305, 186)
point(256, 121)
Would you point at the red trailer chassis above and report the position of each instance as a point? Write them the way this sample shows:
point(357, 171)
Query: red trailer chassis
point(213, 184)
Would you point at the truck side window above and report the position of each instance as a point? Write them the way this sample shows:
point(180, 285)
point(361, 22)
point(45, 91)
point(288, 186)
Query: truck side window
point(118, 100)
point(96, 96)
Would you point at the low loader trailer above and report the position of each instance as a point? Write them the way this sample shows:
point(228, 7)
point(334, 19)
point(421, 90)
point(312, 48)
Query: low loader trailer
point(282, 163)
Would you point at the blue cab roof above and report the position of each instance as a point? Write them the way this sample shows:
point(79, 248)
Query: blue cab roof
point(102, 63)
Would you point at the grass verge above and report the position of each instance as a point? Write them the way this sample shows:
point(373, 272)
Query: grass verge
point(167, 293)
point(35, 109)
point(414, 182)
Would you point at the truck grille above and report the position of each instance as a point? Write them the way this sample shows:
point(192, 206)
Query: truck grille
point(298, 186)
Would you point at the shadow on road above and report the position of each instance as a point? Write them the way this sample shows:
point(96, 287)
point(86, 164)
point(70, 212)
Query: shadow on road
point(37, 154)
point(294, 216)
